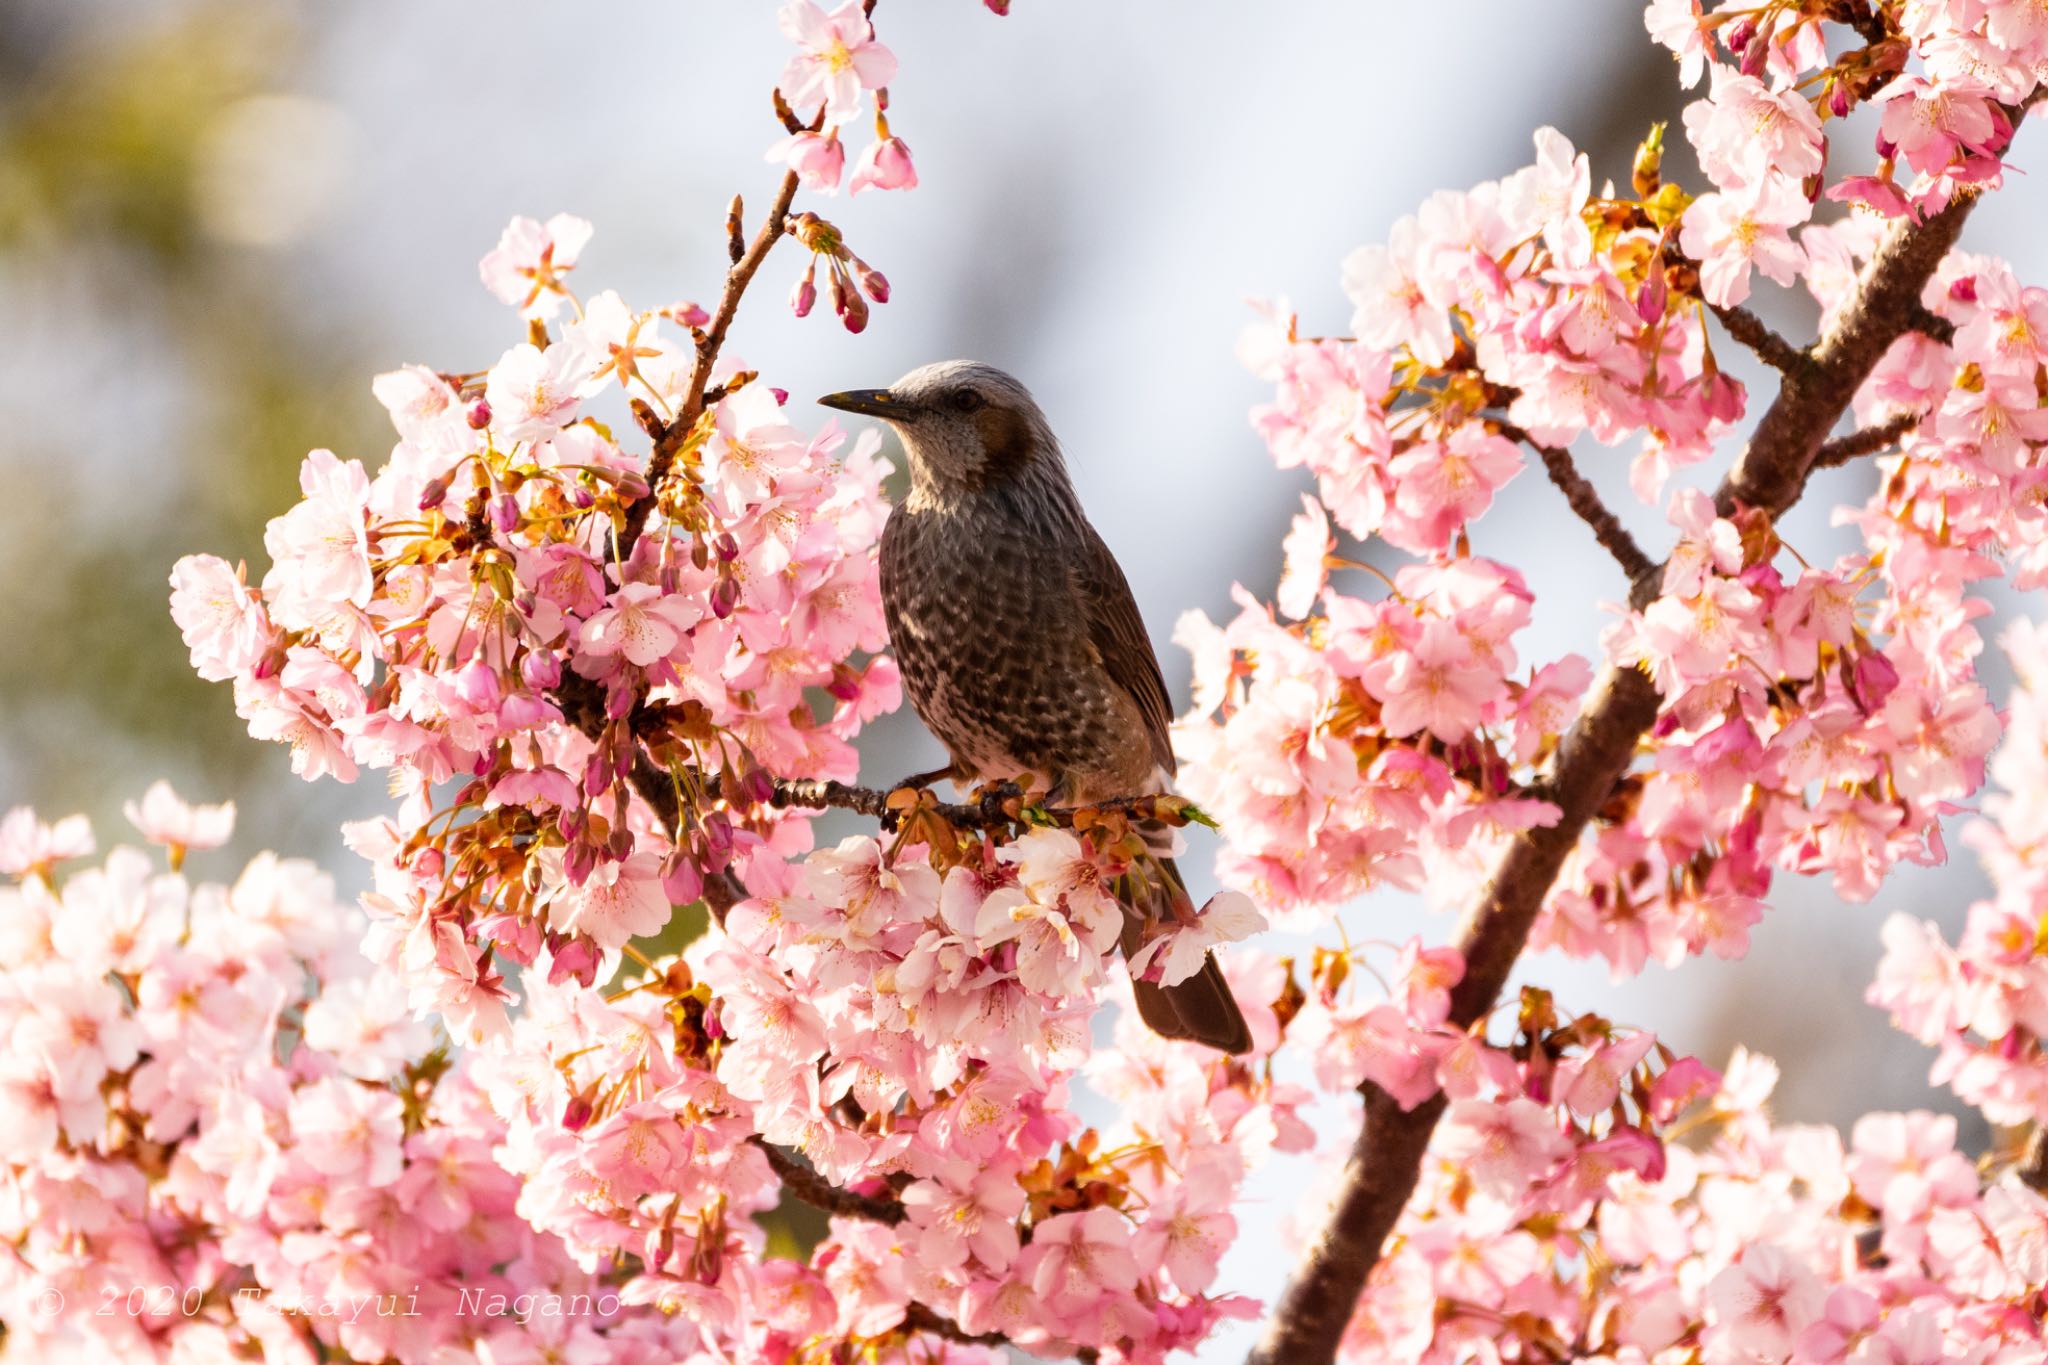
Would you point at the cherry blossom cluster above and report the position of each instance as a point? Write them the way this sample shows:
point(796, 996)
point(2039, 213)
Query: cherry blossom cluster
point(1984, 1001)
point(914, 1036)
point(1951, 78)
point(1376, 742)
point(1547, 1228)
point(1819, 718)
point(479, 620)
point(223, 1137)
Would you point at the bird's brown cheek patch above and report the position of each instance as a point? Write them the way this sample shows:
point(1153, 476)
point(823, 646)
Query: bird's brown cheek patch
point(1006, 437)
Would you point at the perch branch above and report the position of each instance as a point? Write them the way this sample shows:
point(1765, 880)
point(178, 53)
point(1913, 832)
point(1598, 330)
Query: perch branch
point(820, 1193)
point(1386, 1161)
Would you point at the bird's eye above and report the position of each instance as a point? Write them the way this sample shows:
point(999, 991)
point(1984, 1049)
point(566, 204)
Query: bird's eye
point(964, 400)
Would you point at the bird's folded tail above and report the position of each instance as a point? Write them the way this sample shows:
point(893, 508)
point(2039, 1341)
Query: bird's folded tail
point(1200, 1009)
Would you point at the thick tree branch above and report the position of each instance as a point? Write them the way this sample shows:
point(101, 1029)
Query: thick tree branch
point(1386, 1161)
point(1749, 329)
point(1868, 441)
point(1585, 501)
point(679, 427)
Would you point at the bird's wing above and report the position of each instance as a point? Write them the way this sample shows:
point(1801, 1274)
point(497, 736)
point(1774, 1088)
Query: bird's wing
point(1118, 633)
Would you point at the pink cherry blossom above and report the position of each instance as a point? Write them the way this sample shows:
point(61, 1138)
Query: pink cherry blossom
point(837, 58)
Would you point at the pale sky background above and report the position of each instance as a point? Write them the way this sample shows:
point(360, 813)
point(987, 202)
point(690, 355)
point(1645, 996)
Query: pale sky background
point(1104, 185)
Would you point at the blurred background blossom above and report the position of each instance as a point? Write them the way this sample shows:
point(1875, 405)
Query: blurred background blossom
point(218, 218)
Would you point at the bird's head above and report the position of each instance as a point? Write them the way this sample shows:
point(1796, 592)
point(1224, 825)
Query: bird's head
point(965, 426)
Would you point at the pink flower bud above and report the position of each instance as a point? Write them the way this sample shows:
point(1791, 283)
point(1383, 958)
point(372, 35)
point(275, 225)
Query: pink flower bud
point(725, 595)
point(876, 283)
point(757, 787)
point(428, 863)
point(1651, 298)
point(578, 958)
point(727, 546)
point(853, 311)
point(1839, 103)
point(682, 881)
point(434, 494)
point(781, 396)
point(505, 513)
point(541, 668)
point(805, 295)
point(1875, 679)
point(479, 415)
point(477, 684)
point(885, 165)
point(581, 498)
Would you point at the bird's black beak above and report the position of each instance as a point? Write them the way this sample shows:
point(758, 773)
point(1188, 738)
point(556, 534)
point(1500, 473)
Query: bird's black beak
point(868, 403)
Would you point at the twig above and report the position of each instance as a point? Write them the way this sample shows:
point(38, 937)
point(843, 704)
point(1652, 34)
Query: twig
point(1749, 329)
point(820, 1193)
point(1868, 441)
point(1930, 324)
point(2033, 1167)
point(918, 1318)
point(1386, 1161)
point(1585, 500)
point(1858, 15)
point(679, 427)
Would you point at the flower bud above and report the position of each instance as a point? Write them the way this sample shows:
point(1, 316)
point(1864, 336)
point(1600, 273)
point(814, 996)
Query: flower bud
point(728, 547)
point(505, 513)
point(479, 415)
point(434, 494)
point(725, 595)
point(682, 881)
point(477, 684)
point(805, 295)
point(576, 957)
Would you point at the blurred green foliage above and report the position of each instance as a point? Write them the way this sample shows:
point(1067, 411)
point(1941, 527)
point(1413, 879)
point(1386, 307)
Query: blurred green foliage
point(102, 127)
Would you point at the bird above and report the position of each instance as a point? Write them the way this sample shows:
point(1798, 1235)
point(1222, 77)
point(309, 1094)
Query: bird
point(1020, 645)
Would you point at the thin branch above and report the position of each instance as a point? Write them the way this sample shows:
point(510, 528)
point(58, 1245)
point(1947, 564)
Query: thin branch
point(1857, 14)
point(1868, 441)
point(918, 1318)
point(1751, 330)
point(1386, 1162)
point(1930, 324)
point(1585, 500)
point(679, 427)
point(2033, 1167)
point(820, 1193)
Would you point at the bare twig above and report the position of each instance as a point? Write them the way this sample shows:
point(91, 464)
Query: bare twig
point(1749, 329)
point(1585, 500)
point(1386, 1161)
point(820, 1193)
point(1868, 441)
point(679, 427)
